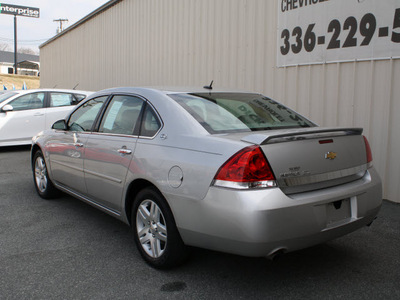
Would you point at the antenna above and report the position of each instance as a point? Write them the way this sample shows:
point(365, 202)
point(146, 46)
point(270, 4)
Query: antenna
point(75, 86)
point(209, 87)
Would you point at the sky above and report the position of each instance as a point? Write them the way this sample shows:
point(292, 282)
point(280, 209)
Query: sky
point(34, 31)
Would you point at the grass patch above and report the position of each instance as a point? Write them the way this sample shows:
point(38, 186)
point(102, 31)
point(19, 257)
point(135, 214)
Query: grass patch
point(32, 82)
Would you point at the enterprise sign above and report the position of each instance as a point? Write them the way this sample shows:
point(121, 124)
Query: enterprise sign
point(24, 11)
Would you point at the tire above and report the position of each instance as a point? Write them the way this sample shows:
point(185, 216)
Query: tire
point(155, 232)
point(43, 184)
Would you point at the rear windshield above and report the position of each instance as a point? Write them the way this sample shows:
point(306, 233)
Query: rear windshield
point(237, 112)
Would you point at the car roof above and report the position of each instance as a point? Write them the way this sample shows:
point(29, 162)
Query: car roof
point(168, 90)
point(22, 92)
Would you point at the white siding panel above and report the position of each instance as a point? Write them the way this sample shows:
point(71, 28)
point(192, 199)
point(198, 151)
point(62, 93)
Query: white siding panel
point(234, 43)
point(363, 95)
point(379, 117)
point(345, 101)
point(331, 97)
point(317, 88)
point(392, 168)
point(303, 90)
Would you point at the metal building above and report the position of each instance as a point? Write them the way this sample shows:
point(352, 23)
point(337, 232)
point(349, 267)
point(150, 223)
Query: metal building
point(335, 62)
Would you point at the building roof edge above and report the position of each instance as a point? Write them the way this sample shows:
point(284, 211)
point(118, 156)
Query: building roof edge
point(93, 14)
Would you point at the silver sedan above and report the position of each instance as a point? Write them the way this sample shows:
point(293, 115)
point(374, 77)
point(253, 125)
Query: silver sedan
point(229, 171)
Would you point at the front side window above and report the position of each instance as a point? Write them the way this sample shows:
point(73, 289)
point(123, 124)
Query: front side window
point(237, 112)
point(29, 101)
point(84, 117)
point(121, 115)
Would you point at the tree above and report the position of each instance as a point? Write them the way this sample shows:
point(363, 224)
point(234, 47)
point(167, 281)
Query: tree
point(27, 50)
point(5, 47)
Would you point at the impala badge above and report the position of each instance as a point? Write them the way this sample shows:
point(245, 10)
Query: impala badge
point(330, 155)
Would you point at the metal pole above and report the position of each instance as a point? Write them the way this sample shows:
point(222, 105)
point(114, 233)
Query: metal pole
point(15, 45)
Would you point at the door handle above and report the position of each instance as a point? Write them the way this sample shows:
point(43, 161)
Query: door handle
point(78, 144)
point(124, 151)
point(38, 114)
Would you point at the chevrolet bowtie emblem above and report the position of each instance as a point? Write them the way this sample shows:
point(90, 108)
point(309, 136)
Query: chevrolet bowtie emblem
point(330, 155)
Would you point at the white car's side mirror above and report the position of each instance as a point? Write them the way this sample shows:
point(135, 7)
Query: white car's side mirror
point(7, 108)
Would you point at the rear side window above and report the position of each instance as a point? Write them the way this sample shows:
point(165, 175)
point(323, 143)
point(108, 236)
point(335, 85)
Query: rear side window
point(79, 98)
point(65, 99)
point(84, 117)
point(237, 112)
point(150, 123)
point(61, 99)
point(121, 115)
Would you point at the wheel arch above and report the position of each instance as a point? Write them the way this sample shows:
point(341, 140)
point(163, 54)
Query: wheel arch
point(34, 149)
point(133, 189)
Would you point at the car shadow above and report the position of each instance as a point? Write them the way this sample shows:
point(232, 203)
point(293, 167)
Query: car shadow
point(312, 272)
point(15, 148)
point(331, 255)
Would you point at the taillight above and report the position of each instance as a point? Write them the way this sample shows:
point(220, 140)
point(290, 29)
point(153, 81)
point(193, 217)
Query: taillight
point(246, 169)
point(368, 150)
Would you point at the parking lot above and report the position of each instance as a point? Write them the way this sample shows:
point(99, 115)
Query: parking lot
point(65, 249)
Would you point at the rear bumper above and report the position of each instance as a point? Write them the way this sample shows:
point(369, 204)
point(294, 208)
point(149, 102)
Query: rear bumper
point(261, 222)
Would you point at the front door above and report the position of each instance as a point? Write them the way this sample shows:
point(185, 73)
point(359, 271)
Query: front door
point(25, 120)
point(110, 151)
point(68, 149)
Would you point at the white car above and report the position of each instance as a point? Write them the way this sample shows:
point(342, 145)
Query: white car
point(24, 113)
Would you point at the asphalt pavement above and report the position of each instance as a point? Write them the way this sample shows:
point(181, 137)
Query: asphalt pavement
point(66, 249)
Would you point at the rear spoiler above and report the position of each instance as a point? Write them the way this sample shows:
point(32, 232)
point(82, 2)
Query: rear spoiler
point(299, 134)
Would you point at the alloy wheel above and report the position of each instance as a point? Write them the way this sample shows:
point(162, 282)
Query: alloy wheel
point(40, 174)
point(151, 228)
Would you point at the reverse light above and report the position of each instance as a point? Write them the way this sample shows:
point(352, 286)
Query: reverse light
point(369, 152)
point(246, 169)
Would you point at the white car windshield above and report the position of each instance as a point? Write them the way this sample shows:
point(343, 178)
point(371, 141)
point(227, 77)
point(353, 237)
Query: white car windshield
point(6, 96)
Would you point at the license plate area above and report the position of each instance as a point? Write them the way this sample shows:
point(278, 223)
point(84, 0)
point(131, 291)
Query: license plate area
point(338, 212)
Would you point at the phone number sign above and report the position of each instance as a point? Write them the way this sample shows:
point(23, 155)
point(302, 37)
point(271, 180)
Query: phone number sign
point(320, 31)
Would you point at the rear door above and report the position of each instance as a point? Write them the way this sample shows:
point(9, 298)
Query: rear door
point(110, 151)
point(59, 105)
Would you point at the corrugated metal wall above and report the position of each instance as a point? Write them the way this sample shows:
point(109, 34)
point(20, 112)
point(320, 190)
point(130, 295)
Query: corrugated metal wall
point(233, 42)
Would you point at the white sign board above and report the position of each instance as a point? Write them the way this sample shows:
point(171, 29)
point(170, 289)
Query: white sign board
point(319, 31)
point(24, 11)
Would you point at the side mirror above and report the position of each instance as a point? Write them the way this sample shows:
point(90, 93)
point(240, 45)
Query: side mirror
point(59, 125)
point(7, 108)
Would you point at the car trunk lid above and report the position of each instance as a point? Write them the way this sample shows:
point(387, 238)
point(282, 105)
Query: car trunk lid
point(313, 158)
